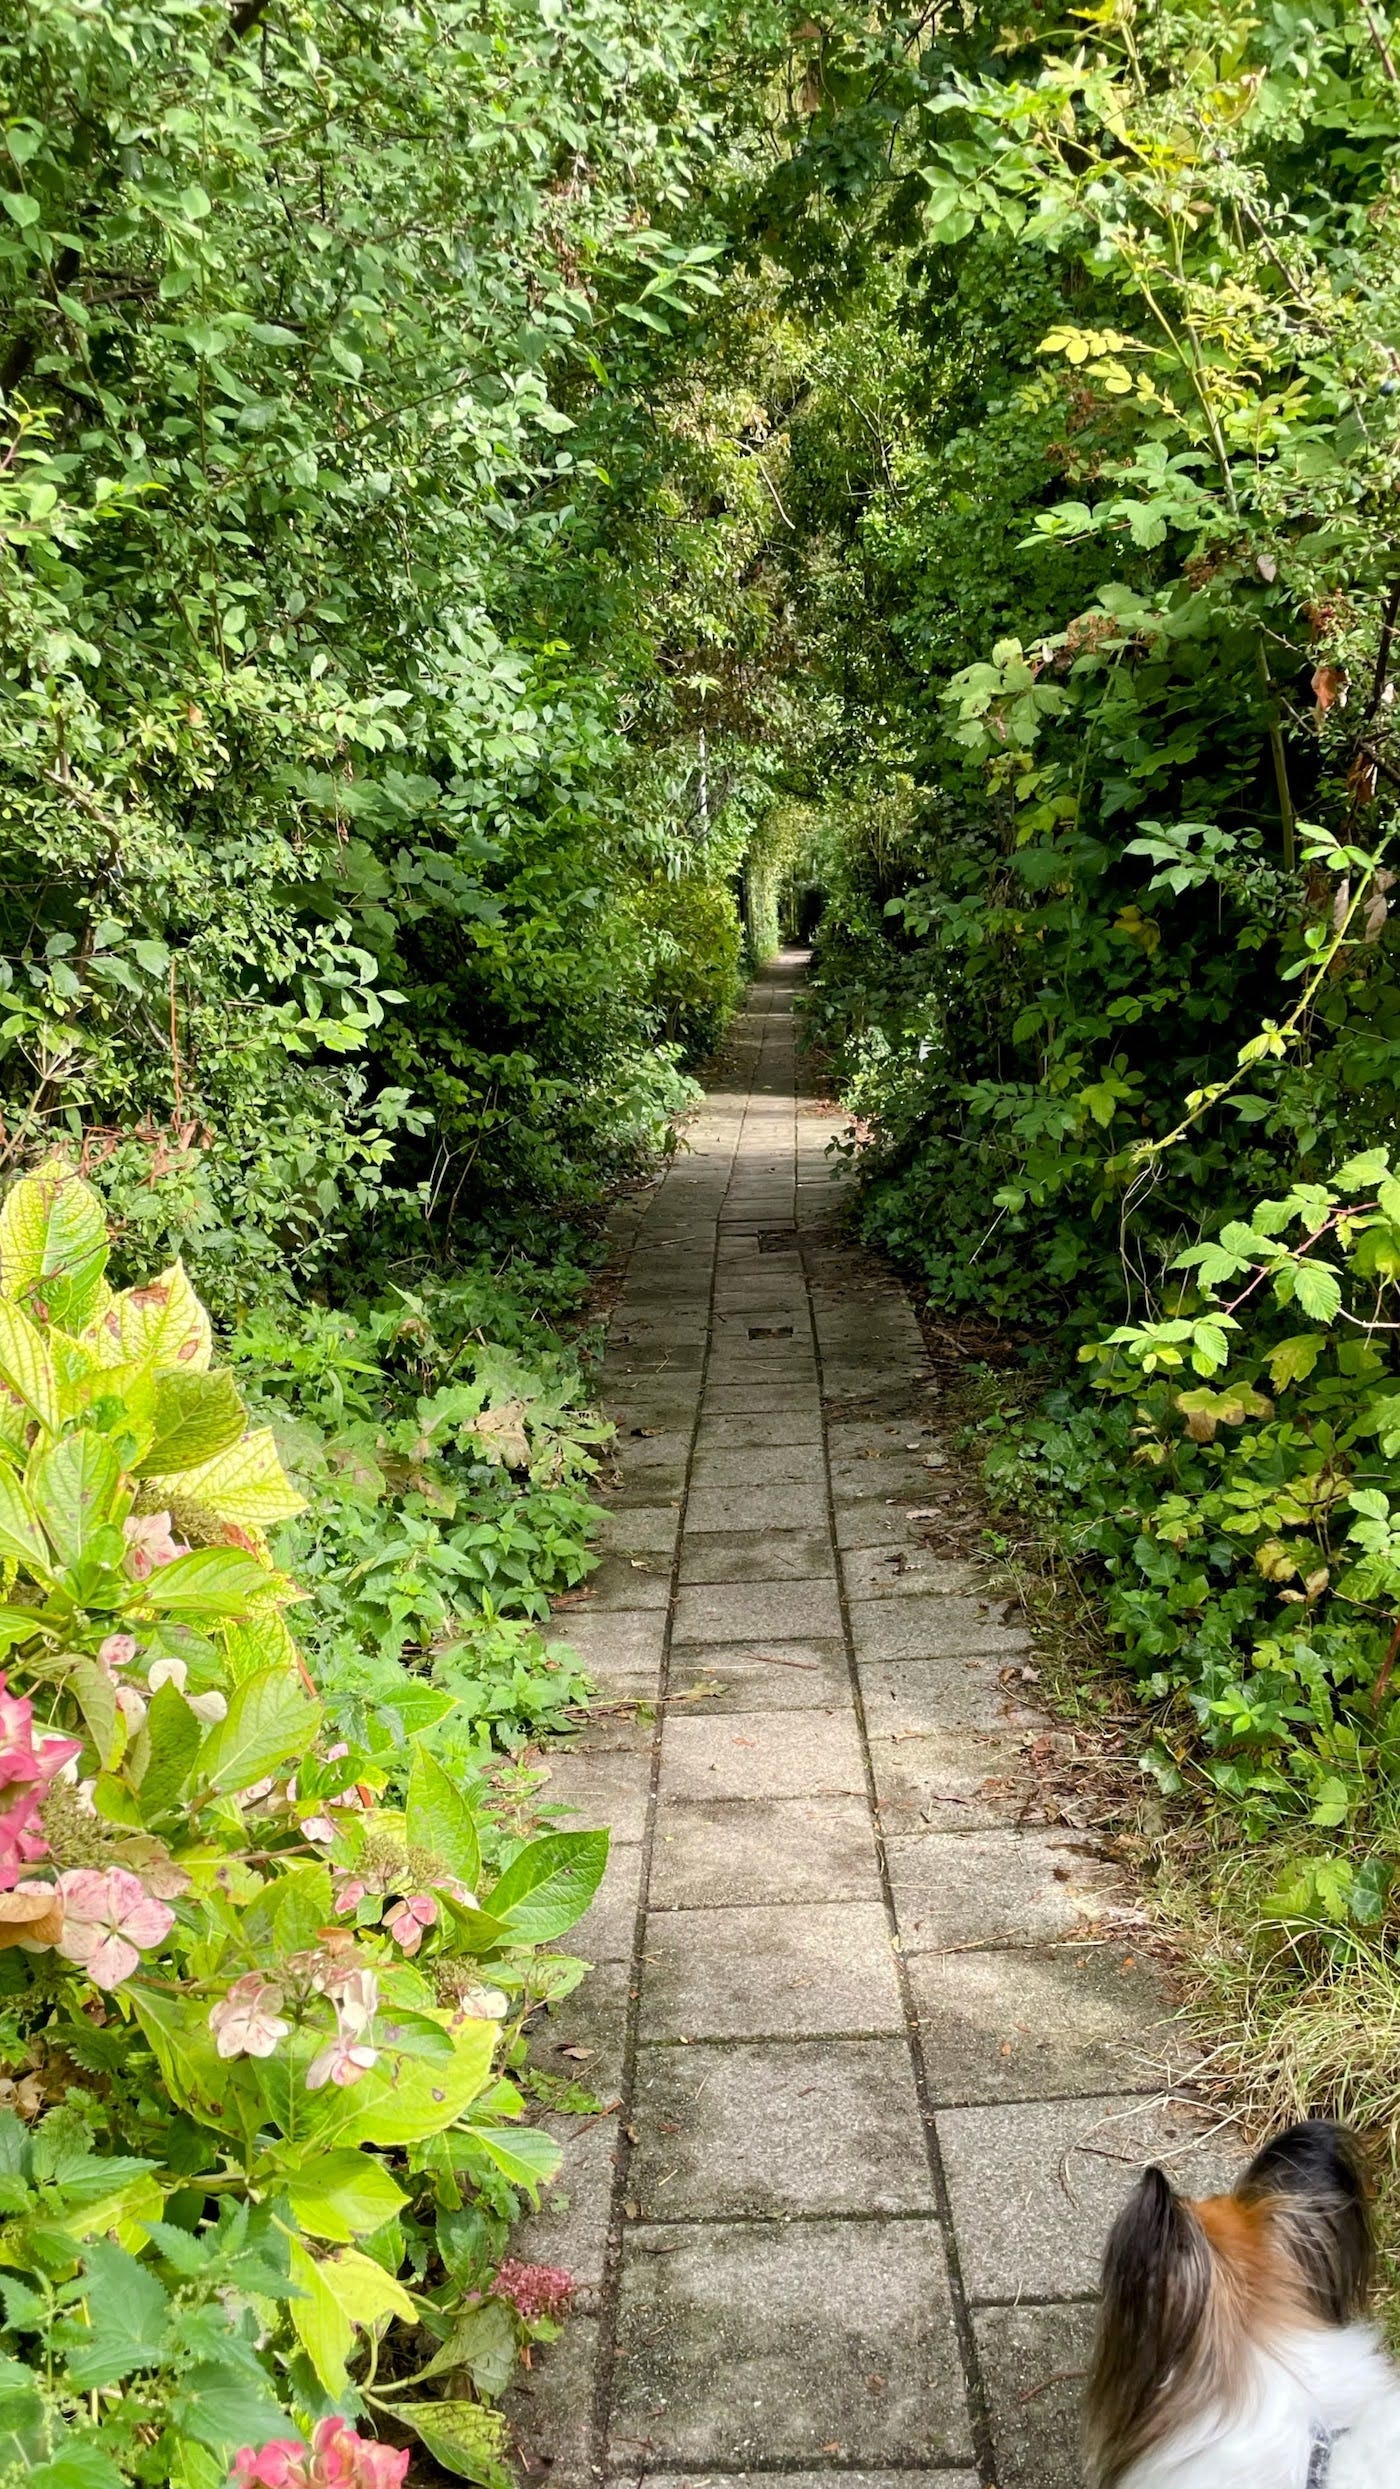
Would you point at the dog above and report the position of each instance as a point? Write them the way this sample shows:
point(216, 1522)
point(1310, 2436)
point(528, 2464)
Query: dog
point(1231, 2350)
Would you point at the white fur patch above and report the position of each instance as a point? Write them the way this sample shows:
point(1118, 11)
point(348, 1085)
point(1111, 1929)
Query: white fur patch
point(1332, 2379)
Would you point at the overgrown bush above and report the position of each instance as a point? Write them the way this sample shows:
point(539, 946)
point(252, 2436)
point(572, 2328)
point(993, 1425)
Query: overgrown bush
point(694, 947)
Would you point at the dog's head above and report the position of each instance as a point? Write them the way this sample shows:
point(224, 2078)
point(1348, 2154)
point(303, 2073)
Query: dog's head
point(1190, 2288)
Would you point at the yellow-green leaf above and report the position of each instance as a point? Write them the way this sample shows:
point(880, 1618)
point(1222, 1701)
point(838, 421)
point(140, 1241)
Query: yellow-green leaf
point(163, 1324)
point(246, 1484)
point(25, 1364)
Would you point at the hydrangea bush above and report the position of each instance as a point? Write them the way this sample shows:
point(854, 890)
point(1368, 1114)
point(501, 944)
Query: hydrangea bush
point(258, 1956)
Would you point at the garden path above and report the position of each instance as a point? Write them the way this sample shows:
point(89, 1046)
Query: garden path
point(876, 2055)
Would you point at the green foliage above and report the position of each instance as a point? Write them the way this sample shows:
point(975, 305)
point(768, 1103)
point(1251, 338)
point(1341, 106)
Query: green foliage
point(695, 945)
point(258, 1955)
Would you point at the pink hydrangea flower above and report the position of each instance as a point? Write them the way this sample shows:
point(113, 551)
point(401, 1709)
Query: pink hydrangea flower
point(408, 1920)
point(109, 1921)
point(337, 2458)
point(118, 1651)
point(277, 2465)
point(150, 1542)
point(350, 2054)
point(535, 2290)
point(247, 2022)
point(26, 1770)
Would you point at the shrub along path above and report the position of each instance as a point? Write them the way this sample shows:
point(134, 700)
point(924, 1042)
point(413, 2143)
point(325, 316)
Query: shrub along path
point(878, 2057)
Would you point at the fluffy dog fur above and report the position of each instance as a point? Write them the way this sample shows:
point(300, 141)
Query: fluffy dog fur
point(1231, 2346)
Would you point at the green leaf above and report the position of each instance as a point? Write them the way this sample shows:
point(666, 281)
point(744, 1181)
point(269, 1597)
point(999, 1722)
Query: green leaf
point(440, 1819)
point(549, 1885)
point(20, 1534)
point(197, 1416)
point(220, 1581)
point(96, 1695)
point(482, 2341)
point(344, 2196)
point(25, 1364)
point(195, 2075)
point(524, 2154)
point(76, 2466)
point(222, 2407)
point(128, 2317)
point(1292, 1360)
point(1318, 1290)
point(164, 1753)
point(74, 1484)
point(464, 2437)
point(301, 1908)
point(269, 1718)
point(53, 1244)
point(338, 2293)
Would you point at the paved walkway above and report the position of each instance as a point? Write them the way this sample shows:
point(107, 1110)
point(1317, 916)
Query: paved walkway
point(877, 2058)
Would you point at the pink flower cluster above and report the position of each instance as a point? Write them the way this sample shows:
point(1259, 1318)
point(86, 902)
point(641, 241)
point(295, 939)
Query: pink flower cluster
point(25, 1773)
point(150, 1541)
point(349, 2055)
point(109, 1921)
point(337, 2458)
point(534, 2290)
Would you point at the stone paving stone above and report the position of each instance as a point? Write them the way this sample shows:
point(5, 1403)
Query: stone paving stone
point(1034, 2361)
point(625, 1582)
point(632, 1640)
point(788, 1506)
point(607, 1789)
point(883, 1479)
point(607, 1930)
point(930, 1627)
point(763, 1754)
point(550, 2408)
point(981, 1888)
point(666, 1448)
point(728, 1399)
point(757, 1556)
point(913, 1697)
point(776, 2127)
point(762, 1850)
point(753, 1676)
point(871, 1523)
point(663, 1483)
point(1019, 2025)
point(757, 1612)
point(758, 1465)
point(759, 1972)
point(952, 1780)
point(879, 1573)
point(756, 1430)
point(804, 2480)
point(581, 2037)
point(571, 2225)
point(1035, 2188)
point(645, 1529)
point(787, 2342)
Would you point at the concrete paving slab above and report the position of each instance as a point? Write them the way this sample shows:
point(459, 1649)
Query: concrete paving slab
point(881, 1573)
point(763, 1754)
point(787, 2342)
point(647, 1529)
point(785, 1506)
point(951, 1780)
point(1036, 2188)
point(550, 2408)
point(728, 1399)
point(926, 1697)
point(570, 2229)
point(774, 2128)
point(1021, 2025)
point(750, 1676)
point(734, 1430)
point(757, 1556)
point(634, 1639)
point(607, 1931)
point(758, 1465)
point(757, 1612)
point(755, 1973)
point(996, 1887)
point(623, 1582)
point(611, 1790)
point(581, 2038)
point(719, 1853)
point(932, 1626)
point(1034, 2363)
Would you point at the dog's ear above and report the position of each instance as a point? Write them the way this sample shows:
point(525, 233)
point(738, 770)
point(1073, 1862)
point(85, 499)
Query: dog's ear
point(1156, 2291)
point(1313, 2178)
